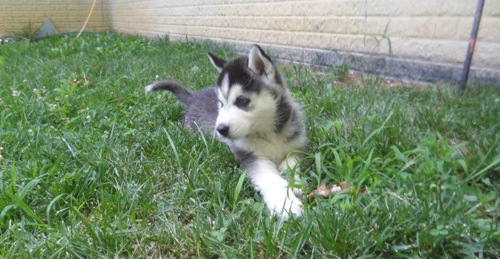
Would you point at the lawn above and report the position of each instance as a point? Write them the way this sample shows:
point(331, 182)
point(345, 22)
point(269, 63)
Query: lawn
point(91, 166)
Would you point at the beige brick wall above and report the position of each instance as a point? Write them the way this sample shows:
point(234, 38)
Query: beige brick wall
point(66, 15)
point(420, 31)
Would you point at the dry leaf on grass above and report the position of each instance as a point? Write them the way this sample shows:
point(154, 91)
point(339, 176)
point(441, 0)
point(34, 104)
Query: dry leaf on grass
point(325, 191)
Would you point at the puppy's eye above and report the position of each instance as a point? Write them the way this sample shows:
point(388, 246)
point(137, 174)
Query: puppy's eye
point(242, 102)
point(220, 104)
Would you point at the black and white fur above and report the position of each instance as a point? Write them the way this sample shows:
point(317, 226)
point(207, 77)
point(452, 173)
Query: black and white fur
point(252, 111)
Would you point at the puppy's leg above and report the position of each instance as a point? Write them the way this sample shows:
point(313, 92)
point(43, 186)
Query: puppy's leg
point(278, 198)
point(291, 162)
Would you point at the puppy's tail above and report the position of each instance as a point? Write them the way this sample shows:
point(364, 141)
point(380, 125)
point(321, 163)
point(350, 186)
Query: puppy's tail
point(177, 89)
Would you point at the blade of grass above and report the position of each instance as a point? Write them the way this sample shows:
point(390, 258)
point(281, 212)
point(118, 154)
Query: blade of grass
point(172, 145)
point(30, 213)
point(237, 189)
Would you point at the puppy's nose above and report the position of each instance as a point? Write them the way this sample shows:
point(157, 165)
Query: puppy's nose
point(223, 129)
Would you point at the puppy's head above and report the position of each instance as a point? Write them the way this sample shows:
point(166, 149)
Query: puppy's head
point(248, 90)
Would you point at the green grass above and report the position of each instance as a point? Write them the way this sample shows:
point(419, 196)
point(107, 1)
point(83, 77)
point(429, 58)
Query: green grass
point(103, 170)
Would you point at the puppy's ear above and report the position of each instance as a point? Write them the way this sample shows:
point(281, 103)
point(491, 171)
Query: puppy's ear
point(260, 63)
point(217, 62)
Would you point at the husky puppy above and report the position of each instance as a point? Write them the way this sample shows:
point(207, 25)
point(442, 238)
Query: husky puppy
point(252, 111)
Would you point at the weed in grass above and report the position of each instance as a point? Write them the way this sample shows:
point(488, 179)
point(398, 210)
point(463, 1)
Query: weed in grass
point(25, 33)
point(341, 72)
point(99, 169)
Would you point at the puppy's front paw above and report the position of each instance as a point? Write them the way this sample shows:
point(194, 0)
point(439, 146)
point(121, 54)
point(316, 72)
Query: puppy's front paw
point(285, 204)
point(292, 206)
point(275, 191)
